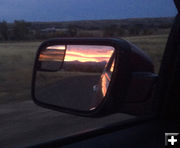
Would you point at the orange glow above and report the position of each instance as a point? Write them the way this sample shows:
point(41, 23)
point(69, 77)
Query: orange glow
point(105, 83)
point(57, 47)
point(81, 53)
point(112, 67)
point(106, 78)
point(85, 53)
point(49, 58)
point(51, 55)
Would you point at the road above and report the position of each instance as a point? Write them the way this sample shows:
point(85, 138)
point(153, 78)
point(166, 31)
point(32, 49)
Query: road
point(24, 123)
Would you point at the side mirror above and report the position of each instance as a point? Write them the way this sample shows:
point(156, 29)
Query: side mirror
point(87, 77)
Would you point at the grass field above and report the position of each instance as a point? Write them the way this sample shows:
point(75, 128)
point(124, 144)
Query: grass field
point(16, 62)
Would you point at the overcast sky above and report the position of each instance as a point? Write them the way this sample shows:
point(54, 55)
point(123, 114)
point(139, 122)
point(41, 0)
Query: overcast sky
point(65, 10)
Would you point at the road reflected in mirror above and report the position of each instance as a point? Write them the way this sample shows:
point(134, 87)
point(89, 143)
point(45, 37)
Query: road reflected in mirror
point(78, 84)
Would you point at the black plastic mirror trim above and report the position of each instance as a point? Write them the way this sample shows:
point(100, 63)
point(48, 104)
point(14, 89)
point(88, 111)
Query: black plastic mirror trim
point(121, 47)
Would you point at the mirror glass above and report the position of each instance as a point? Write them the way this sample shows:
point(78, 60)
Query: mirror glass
point(51, 58)
point(82, 80)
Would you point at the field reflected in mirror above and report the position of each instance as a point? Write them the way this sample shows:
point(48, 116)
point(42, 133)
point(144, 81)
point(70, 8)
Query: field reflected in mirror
point(78, 84)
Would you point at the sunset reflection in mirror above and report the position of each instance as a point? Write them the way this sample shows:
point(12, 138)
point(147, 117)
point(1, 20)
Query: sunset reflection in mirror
point(106, 78)
point(74, 76)
point(88, 53)
point(81, 53)
point(53, 53)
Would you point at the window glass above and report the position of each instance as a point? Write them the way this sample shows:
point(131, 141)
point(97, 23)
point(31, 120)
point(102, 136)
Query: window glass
point(25, 24)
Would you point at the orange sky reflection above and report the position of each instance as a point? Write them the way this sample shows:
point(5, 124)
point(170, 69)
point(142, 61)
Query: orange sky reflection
point(81, 53)
point(91, 53)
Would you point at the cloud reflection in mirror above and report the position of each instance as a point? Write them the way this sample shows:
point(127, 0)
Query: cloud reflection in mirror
point(91, 53)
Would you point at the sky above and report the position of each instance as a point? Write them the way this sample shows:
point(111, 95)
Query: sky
point(70, 10)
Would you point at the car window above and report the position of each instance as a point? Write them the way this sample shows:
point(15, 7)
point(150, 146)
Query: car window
point(24, 25)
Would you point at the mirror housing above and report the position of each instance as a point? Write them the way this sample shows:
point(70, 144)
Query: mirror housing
point(129, 62)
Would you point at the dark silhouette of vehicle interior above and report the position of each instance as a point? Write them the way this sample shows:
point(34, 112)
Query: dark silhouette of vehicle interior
point(124, 81)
